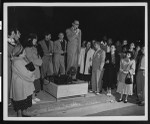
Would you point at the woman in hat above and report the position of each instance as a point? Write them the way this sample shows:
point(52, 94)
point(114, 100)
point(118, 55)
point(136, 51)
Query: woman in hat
point(13, 38)
point(22, 86)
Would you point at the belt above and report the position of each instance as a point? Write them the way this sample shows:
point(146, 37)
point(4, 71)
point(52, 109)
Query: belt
point(141, 69)
point(60, 54)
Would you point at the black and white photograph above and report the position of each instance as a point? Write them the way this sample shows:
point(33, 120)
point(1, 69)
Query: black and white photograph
point(75, 61)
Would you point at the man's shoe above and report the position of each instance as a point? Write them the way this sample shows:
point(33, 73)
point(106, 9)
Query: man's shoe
point(97, 93)
point(141, 104)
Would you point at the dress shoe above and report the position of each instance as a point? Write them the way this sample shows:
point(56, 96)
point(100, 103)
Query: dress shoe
point(36, 99)
point(97, 93)
point(141, 104)
point(125, 101)
point(33, 102)
point(120, 100)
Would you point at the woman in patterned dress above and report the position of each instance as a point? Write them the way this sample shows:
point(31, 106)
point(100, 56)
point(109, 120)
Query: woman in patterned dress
point(127, 65)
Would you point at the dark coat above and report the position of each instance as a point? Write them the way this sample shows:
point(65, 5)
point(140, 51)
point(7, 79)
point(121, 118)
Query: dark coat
point(111, 69)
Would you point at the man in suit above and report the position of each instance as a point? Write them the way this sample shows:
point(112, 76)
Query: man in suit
point(74, 45)
point(140, 78)
point(59, 53)
point(47, 47)
point(97, 68)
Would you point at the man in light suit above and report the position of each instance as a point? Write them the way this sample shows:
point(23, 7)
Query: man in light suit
point(74, 45)
point(47, 47)
point(59, 53)
point(97, 68)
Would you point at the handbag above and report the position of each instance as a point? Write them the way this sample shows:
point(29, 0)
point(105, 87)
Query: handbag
point(30, 65)
point(128, 79)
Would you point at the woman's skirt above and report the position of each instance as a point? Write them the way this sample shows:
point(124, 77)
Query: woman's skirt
point(22, 104)
point(125, 88)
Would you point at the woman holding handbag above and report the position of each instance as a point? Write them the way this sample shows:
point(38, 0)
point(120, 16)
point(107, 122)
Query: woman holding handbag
point(125, 76)
point(32, 56)
point(22, 86)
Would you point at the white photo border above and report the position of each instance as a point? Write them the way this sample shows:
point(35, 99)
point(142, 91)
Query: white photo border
point(0, 66)
point(106, 118)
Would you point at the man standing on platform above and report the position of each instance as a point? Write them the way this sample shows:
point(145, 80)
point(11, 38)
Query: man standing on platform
point(59, 54)
point(97, 68)
point(74, 45)
point(47, 46)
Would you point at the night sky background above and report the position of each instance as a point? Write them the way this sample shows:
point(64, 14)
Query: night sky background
point(117, 23)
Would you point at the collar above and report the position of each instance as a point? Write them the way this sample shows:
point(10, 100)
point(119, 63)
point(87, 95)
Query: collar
point(11, 41)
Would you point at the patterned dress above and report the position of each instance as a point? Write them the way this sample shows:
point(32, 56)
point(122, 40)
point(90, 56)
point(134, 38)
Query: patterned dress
point(125, 67)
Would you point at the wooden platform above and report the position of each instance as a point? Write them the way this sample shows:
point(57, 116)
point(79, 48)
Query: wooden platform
point(66, 90)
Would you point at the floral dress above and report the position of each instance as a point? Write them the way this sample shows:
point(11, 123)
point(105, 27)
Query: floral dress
point(125, 67)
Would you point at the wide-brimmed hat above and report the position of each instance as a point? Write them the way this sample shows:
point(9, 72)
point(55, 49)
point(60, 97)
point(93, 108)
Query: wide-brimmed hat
point(17, 50)
point(76, 22)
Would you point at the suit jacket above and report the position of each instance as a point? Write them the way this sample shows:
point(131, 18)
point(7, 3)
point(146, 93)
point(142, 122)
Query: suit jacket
point(46, 50)
point(58, 48)
point(98, 60)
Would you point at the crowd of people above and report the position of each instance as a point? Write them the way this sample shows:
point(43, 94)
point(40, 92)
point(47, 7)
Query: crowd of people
point(103, 64)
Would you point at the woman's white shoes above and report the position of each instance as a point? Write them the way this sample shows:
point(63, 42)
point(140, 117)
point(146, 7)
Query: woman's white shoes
point(35, 100)
point(109, 94)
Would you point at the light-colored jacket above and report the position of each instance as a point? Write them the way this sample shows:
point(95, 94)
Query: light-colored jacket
point(58, 48)
point(31, 53)
point(88, 61)
point(98, 60)
point(22, 80)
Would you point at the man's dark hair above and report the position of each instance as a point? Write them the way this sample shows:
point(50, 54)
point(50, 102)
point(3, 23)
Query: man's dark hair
point(30, 39)
point(46, 33)
point(131, 53)
point(11, 30)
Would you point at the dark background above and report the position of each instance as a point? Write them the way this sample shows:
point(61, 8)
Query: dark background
point(117, 23)
point(122, 28)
